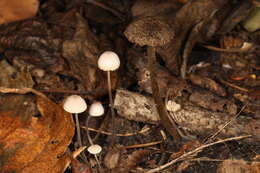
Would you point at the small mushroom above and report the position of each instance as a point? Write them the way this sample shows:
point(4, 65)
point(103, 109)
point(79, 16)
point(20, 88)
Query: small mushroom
point(96, 109)
point(75, 104)
point(95, 149)
point(152, 32)
point(108, 61)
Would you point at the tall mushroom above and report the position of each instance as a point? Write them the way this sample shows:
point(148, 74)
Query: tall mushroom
point(153, 32)
point(109, 61)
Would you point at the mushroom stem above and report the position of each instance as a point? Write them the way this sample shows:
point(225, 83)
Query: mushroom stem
point(99, 165)
point(111, 106)
point(88, 135)
point(165, 121)
point(78, 130)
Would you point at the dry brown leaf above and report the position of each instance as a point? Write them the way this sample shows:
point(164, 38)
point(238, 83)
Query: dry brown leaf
point(131, 161)
point(188, 146)
point(34, 144)
point(82, 54)
point(13, 10)
point(183, 165)
point(78, 167)
point(112, 158)
point(208, 83)
point(136, 157)
point(212, 102)
point(145, 8)
point(238, 166)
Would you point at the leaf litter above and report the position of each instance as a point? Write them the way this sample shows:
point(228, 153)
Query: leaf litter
point(201, 66)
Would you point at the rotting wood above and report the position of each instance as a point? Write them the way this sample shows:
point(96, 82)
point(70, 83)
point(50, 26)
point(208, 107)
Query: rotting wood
point(192, 119)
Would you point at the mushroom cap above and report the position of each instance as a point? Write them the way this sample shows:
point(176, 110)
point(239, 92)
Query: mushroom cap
point(94, 149)
point(108, 61)
point(149, 31)
point(74, 104)
point(96, 109)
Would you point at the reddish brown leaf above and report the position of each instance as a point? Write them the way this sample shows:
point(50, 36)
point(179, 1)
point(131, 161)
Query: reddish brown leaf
point(13, 10)
point(78, 167)
point(208, 83)
point(34, 144)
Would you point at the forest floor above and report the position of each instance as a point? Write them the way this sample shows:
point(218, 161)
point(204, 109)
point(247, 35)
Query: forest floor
point(186, 95)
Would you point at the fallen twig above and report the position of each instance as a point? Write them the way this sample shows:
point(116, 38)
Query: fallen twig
point(245, 48)
point(21, 91)
point(235, 86)
point(120, 135)
point(215, 134)
point(142, 145)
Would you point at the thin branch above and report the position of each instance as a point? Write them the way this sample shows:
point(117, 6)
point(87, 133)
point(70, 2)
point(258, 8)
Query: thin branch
point(229, 122)
point(118, 134)
point(142, 145)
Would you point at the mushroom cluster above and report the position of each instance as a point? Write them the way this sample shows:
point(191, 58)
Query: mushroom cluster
point(108, 61)
point(75, 104)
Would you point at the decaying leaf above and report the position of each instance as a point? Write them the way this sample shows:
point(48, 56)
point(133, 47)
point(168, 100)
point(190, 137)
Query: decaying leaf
point(208, 83)
point(188, 146)
point(112, 158)
point(184, 165)
point(252, 23)
point(16, 78)
point(82, 53)
point(145, 8)
point(35, 144)
point(191, 14)
point(238, 166)
point(131, 161)
point(78, 167)
point(136, 157)
point(212, 102)
point(13, 10)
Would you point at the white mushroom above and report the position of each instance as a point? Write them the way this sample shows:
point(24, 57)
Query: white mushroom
point(75, 104)
point(109, 61)
point(96, 109)
point(94, 149)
